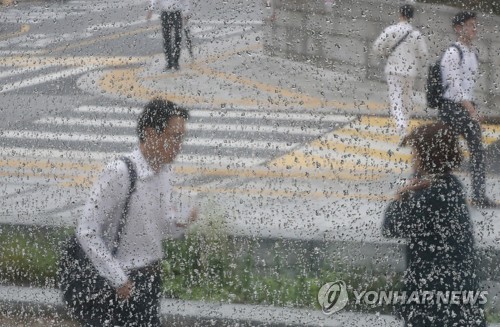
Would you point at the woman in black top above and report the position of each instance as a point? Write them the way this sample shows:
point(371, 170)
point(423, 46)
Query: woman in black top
point(432, 214)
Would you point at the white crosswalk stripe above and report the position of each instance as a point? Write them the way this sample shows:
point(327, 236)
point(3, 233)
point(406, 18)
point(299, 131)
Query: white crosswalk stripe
point(41, 41)
point(193, 126)
point(226, 138)
point(46, 78)
point(56, 10)
point(130, 139)
point(24, 70)
point(232, 114)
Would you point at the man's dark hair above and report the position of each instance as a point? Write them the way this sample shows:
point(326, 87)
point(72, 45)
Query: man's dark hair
point(406, 11)
point(462, 17)
point(157, 114)
point(436, 146)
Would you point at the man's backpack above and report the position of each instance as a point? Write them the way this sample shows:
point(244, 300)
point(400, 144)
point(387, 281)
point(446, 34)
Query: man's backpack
point(435, 84)
point(85, 292)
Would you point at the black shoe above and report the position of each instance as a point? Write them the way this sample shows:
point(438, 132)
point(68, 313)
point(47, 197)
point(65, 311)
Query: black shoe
point(484, 203)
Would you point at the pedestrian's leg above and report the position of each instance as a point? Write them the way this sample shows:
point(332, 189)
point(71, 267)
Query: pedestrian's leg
point(408, 96)
point(460, 121)
point(473, 137)
point(176, 51)
point(189, 43)
point(166, 27)
point(396, 95)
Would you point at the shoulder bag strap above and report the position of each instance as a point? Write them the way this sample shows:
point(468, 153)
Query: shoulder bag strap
point(123, 220)
point(460, 56)
point(399, 42)
point(460, 52)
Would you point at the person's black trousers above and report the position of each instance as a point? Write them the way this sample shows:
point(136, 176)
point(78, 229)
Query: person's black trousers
point(459, 120)
point(171, 26)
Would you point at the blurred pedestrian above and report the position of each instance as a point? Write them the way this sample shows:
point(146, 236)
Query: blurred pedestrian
point(153, 214)
point(271, 4)
point(174, 15)
point(432, 214)
point(460, 71)
point(405, 50)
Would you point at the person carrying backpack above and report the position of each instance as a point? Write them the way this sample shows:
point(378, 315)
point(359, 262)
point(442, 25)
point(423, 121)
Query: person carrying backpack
point(405, 50)
point(457, 109)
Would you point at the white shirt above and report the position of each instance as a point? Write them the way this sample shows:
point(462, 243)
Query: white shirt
point(184, 6)
point(154, 210)
point(408, 55)
point(459, 76)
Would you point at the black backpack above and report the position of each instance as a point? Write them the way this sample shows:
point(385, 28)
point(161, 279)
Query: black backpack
point(435, 84)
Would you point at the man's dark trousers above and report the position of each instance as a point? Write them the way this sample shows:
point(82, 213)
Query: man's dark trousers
point(171, 23)
point(460, 121)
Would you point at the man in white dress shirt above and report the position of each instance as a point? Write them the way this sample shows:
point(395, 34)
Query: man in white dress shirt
point(460, 71)
point(406, 51)
point(154, 213)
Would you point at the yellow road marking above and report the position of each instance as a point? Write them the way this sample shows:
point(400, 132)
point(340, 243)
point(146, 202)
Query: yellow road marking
point(493, 128)
point(126, 82)
point(388, 122)
point(358, 135)
point(79, 181)
point(24, 29)
point(339, 147)
point(71, 172)
point(490, 140)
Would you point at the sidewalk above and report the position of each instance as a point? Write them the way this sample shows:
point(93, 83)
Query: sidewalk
point(189, 313)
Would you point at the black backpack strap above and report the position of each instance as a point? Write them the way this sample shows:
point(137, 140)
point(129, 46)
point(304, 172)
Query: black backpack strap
point(123, 219)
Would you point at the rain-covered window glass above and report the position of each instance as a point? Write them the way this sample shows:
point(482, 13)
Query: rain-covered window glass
point(263, 162)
